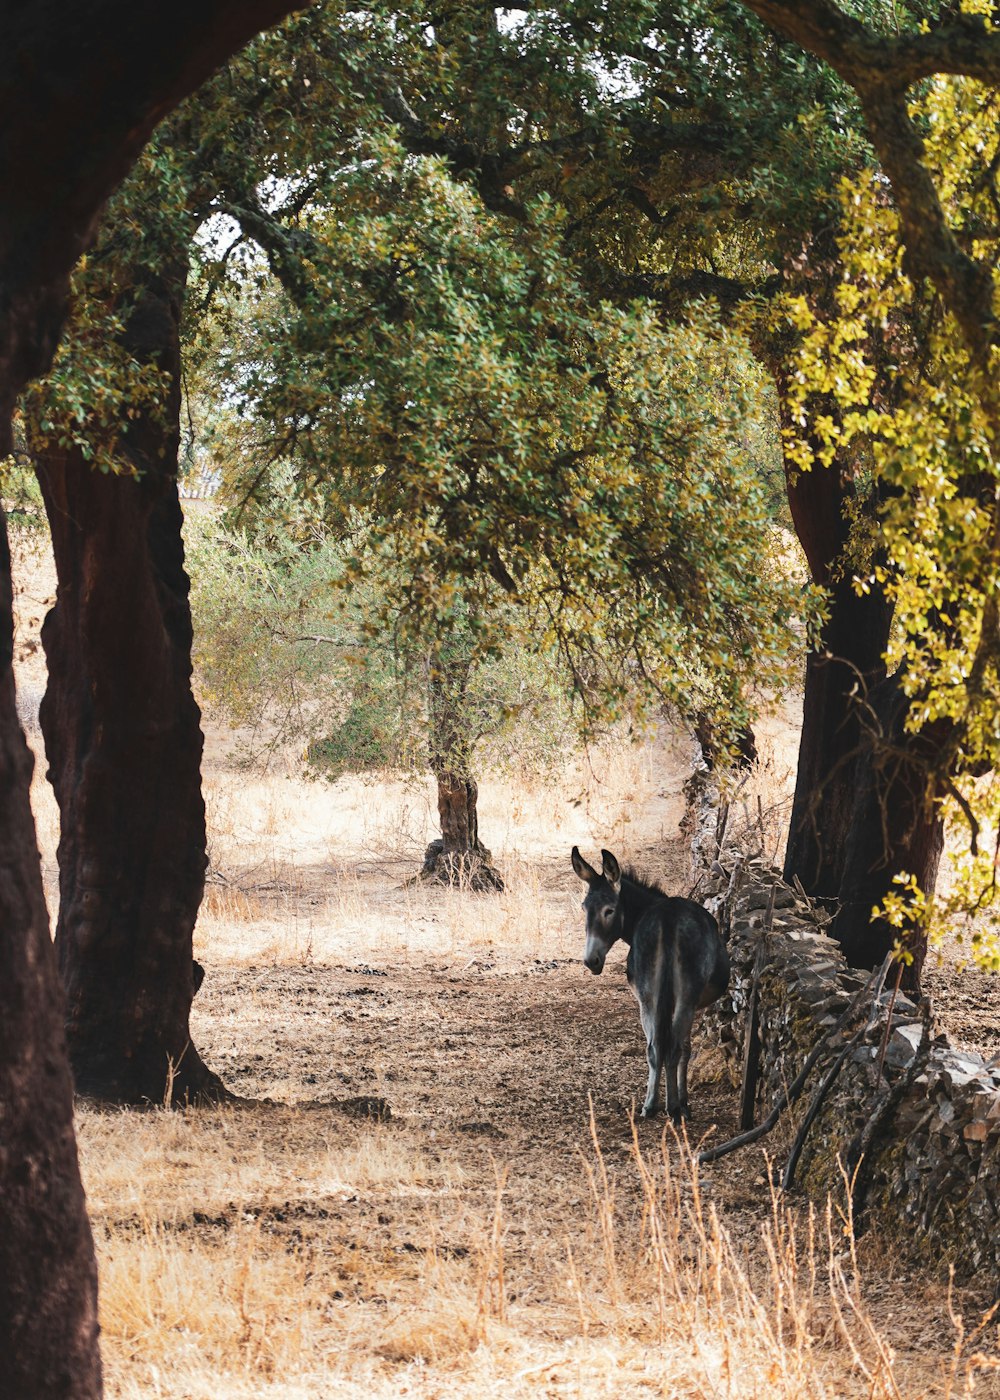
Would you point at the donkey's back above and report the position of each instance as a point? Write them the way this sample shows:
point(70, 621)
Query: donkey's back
point(677, 948)
point(677, 963)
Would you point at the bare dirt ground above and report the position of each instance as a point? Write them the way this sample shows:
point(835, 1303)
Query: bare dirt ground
point(431, 1186)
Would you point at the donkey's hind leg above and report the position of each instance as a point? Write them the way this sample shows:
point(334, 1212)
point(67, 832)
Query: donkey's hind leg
point(678, 1055)
point(654, 1058)
point(682, 1078)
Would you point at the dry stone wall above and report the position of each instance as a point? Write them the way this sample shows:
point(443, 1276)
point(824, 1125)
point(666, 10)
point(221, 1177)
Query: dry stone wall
point(914, 1122)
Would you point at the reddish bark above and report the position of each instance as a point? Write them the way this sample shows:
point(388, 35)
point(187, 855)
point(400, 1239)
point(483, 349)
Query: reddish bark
point(48, 1277)
point(124, 744)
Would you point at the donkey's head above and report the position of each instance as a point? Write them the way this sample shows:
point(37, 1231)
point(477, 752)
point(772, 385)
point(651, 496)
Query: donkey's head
point(602, 907)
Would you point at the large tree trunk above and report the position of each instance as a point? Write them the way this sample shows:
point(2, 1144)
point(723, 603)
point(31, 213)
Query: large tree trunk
point(124, 744)
point(81, 88)
point(459, 857)
point(893, 826)
point(48, 1276)
point(840, 675)
point(861, 811)
point(847, 662)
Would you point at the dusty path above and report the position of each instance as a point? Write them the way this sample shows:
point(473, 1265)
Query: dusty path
point(489, 1068)
point(492, 1060)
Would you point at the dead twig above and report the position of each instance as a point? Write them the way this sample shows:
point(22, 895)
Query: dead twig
point(751, 1046)
point(828, 1081)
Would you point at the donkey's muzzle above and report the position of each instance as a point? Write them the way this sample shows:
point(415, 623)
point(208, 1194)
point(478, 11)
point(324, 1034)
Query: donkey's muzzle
point(595, 962)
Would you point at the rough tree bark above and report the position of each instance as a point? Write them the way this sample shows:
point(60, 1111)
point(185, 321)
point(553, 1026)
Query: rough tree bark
point(459, 857)
point(48, 1276)
point(124, 744)
point(847, 662)
point(893, 826)
point(862, 809)
point(81, 88)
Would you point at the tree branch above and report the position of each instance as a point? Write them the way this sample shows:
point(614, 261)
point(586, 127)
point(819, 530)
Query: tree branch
point(881, 70)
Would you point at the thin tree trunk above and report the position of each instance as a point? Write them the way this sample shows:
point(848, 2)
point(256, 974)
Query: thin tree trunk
point(457, 796)
point(124, 744)
point(742, 755)
point(459, 857)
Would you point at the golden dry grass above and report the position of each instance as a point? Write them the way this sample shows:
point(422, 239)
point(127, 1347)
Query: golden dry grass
point(204, 1294)
point(292, 1250)
point(306, 871)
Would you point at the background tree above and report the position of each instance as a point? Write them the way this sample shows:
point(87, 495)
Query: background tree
point(295, 658)
point(508, 441)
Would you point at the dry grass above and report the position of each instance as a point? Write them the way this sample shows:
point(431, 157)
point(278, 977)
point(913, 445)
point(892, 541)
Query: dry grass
point(291, 1250)
point(304, 871)
point(206, 1292)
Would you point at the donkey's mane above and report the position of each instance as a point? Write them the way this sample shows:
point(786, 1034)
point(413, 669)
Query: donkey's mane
point(644, 882)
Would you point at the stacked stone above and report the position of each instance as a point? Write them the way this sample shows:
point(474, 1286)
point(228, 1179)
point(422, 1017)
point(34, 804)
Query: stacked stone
point(942, 1169)
point(932, 1174)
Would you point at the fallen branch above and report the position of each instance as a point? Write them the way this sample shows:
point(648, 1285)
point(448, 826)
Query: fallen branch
point(712, 1154)
point(828, 1081)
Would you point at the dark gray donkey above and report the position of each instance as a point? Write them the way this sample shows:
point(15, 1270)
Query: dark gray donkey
point(677, 963)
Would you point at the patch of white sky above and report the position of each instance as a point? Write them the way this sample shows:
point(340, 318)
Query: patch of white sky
point(618, 83)
point(221, 232)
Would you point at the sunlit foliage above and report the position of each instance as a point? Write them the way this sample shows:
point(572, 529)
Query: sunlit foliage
point(934, 451)
point(510, 438)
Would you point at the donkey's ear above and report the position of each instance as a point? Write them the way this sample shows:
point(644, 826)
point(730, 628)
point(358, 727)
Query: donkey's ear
point(612, 871)
point(586, 872)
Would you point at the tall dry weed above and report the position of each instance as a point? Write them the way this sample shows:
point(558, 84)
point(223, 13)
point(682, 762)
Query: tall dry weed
point(782, 1315)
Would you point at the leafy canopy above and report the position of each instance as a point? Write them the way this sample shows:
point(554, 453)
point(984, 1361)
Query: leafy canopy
point(454, 384)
